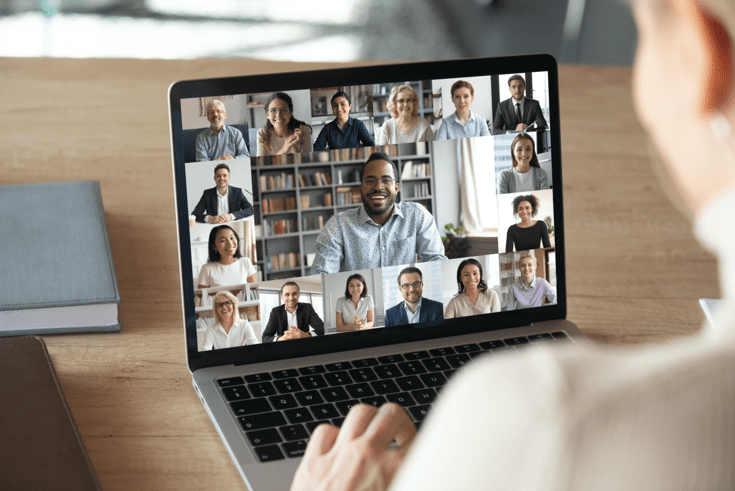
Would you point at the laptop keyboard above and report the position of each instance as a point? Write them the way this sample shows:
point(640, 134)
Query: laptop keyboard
point(277, 411)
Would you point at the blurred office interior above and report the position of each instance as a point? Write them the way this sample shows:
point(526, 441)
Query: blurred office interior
point(574, 31)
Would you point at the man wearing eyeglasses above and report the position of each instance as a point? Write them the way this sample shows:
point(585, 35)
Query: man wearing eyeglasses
point(414, 308)
point(381, 232)
point(219, 141)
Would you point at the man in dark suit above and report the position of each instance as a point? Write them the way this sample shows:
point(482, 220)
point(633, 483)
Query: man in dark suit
point(518, 112)
point(415, 308)
point(222, 203)
point(292, 320)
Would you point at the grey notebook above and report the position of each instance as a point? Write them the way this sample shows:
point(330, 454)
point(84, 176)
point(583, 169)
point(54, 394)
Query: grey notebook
point(55, 260)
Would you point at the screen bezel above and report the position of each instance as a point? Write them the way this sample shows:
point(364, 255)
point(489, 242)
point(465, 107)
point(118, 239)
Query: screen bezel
point(358, 76)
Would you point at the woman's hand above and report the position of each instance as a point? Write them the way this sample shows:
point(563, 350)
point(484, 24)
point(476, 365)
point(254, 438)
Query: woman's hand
point(291, 140)
point(359, 455)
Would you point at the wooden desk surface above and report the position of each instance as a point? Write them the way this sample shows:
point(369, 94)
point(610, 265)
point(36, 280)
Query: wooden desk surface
point(634, 271)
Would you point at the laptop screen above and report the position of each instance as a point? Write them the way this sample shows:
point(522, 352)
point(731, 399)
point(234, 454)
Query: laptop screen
point(353, 202)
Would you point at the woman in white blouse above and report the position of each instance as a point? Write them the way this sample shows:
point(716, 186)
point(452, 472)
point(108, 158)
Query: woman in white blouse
point(474, 297)
point(407, 126)
point(356, 310)
point(226, 265)
point(228, 330)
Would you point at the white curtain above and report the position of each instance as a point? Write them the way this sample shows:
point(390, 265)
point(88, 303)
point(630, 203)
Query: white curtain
point(476, 167)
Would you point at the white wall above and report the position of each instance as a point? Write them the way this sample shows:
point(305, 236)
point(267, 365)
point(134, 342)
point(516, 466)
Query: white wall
point(505, 207)
point(235, 105)
point(490, 273)
point(200, 176)
point(446, 182)
point(301, 106)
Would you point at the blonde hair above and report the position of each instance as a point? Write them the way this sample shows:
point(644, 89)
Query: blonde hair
point(397, 89)
point(231, 298)
point(525, 255)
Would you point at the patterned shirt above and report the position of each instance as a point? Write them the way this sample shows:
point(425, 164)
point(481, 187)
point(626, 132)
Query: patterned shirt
point(351, 240)
point(451, 128)
point(353, 135)
point(522, 297)
point(211, 145)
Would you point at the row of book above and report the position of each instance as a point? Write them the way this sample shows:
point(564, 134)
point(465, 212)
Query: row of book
point(280, 204)
point(314, 222)
point(279, 227)
point(348, 196)
point(272, 182)
point(421, 190)
point(342, 155)
point(248, 295)
point(415, 169)
point(283, 261)
point(315, 179)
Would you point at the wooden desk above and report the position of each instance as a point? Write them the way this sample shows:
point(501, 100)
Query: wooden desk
point(634, 271)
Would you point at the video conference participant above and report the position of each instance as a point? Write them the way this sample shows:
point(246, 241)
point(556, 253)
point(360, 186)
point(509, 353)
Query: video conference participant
point(226, 266)
point(219, 141)
point(293, 319)
point(526, 173)
point(473, 297)
point(529, 291)
point(343, 131)
point(381, 232)
point(282, 133)
point(462, 123)
point(519, 112)
point(222, 203)
point(356, 310)
point(415, 307)
point(528, 233)
point(228, 330)
point(408, 127)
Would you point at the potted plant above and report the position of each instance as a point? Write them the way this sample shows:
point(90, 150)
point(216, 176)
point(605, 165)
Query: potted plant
point(550, 226)
point(456, 243)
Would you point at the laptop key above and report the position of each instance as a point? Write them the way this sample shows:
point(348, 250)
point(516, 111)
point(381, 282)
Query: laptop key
point(236, 393)
point(294, 432)
point(449, 373)
point(376, 401)
point(334, 394)
point(467, 348)
point(458, 361)
point(298, 415)
point(416, 355)
point(289, 373)
point(436, 364)
point(384, 387)
point(404, 399)
point(339, 366)
point(338, 422)
point(287, 385)
point(388, 371)
point(258, 377)
point(412, 367)
point(285, 401)
point(560, 335)
point(442, 351)
point(360, 390)
point(269, 453)
point(294, 449)
point(262, 420)
point(366, 362)
point(313, 382)
point(253, 406)
point(433, 379)
point(262, 389)
point(419, 413)
point(309, 398)
point(480, 354)
point(264, 437)
point(517, 341)
point(338, 378)
point(324, 411)
point(345, 406)
point(424, 396)
point(311, 425)
point(229, 382)
point(409, 383)
point(312, 370)
point(363, 375)
point(492, 344)
point(385, 360)
point(540, 337)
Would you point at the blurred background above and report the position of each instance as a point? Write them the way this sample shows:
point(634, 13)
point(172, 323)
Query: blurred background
point(574, 31)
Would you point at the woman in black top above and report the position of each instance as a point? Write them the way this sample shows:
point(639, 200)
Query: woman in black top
point(527, 234)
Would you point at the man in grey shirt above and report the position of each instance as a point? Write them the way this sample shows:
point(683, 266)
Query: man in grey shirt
point(381, 232)
point(219, 141)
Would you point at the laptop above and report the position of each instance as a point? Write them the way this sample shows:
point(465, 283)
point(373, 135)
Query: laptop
point(358, 235)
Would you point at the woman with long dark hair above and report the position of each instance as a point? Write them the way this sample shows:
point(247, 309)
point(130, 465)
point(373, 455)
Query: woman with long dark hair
point(473, 296)
point(282, 133)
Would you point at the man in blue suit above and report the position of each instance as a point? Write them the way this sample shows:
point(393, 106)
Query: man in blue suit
point(414, 308)
point(222, 203)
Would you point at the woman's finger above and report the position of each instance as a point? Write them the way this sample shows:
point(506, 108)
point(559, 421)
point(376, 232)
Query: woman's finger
point(357, 420)
point(391, 423)
point(322, 440)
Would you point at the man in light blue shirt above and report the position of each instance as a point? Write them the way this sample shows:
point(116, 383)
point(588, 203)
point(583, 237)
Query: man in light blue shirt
point(415, 308)
point(219, 141)
point(381, 232)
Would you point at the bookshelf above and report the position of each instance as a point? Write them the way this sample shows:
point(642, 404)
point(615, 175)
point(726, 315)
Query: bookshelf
point(308, 189)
